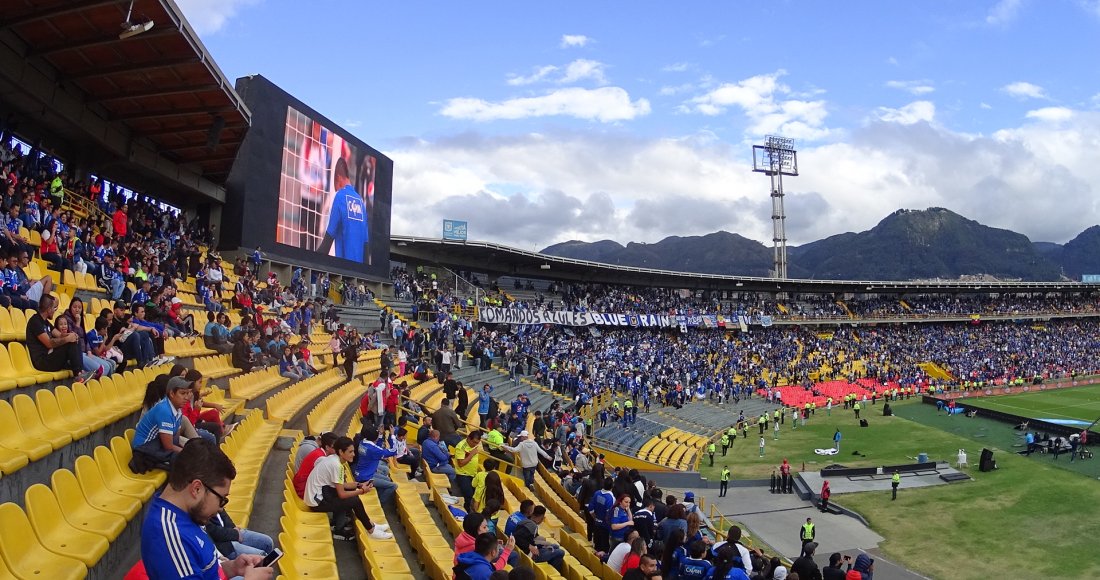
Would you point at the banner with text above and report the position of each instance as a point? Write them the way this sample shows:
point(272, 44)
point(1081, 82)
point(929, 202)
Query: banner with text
point(491, 315)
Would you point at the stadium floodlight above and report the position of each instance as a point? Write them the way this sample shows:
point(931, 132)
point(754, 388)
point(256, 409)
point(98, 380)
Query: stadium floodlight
point(775, 158)
point(131, 29)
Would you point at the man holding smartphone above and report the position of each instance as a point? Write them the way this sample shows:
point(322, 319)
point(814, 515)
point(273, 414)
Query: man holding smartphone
point(173, 542)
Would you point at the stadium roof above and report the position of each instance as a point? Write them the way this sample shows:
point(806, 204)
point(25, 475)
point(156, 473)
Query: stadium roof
point(502, 260)
point(153, 103)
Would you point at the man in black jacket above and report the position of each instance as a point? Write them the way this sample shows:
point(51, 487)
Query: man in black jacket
point(233, 541)
point(805, 566)
point(528, 539)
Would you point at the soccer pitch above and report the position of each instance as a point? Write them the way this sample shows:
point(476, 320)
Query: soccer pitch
point(1076, 406)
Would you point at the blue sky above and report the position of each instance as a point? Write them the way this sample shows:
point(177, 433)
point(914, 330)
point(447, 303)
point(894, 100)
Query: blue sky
point(544, 122)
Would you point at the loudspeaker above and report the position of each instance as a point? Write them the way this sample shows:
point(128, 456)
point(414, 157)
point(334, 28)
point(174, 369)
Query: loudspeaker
point(986, 463)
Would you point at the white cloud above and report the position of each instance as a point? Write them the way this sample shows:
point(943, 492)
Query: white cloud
point(209, 16)
point(986, 106)
point(757, 97)
point(574, 40)
point(668, 90)
point(1024, 90)
point(676, 67)
point(912, 87)
point(1003, 12)
point(584, 69)
point(1051, 114)
point(915, 112)
point(578, 70)
point(600, 185)
point(892, 61)
point(539, 74)
point(605, 104)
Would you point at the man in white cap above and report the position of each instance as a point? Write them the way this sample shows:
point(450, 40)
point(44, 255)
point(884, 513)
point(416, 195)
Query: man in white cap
point(529, 453)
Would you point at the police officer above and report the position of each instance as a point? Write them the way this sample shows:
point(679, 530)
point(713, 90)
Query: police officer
point(806, 533)
point(724, 481)
point(710, 452)
point(895, 481)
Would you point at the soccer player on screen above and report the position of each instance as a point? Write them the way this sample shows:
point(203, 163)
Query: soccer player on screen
point(347, 220)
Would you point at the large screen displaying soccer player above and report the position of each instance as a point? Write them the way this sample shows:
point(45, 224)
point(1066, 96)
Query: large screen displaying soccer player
point(326, 191)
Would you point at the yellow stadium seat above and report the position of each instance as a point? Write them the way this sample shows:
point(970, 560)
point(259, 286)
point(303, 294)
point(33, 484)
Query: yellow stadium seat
point(296, 567)
point(7, 328)
point(21, 360)
point(13, 437)
point(70, 409)
point(110, 476)
point(122, 452)
point(50, 411)
point(25, 555)
point(106, 516)
point(97, 493)
point(12, 460)
point(9, 377)
point(31, 423)
point(58, 535)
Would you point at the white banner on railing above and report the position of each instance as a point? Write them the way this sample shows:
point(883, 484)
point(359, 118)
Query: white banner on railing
point(491, 315)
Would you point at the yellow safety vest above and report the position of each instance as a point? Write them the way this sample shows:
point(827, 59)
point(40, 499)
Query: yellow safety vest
point(725, 475)
point(807, 531)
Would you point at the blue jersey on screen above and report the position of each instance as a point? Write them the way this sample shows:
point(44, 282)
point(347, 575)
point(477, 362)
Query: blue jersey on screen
point(347, 224)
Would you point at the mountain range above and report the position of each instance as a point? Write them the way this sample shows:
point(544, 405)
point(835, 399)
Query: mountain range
point(905, 245)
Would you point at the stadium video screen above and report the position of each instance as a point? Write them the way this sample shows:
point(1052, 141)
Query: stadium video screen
point(326, 191)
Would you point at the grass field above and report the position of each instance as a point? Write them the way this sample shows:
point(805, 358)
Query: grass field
point(1073, 404)
point(1031, 514)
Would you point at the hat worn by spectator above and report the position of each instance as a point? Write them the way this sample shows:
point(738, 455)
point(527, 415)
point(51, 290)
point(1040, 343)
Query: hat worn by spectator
point(689, 496)
point(177, 383)
point(524, 434)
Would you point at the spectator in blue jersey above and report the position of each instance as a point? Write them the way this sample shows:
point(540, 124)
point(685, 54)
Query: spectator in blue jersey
point(156, 439)
point(436, 455)
point(173, 541)
point(519, 409)
point(695, 566)
point(599, 507)
point(526, 508)
point(369, 467)
point(347, 221)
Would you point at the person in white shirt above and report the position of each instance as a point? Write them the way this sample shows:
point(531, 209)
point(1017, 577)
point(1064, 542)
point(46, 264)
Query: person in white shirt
point(529, 453)
point(327, 491)
point(618, 555)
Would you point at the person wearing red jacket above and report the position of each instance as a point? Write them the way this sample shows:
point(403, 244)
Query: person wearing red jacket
point(391, 398)
point(119, 222)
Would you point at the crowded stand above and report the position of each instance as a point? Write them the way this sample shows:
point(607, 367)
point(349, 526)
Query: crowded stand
point(118, 306)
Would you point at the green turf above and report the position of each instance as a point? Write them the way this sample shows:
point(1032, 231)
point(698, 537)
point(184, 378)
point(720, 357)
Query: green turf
point(1080, 403)
point(1031, 514)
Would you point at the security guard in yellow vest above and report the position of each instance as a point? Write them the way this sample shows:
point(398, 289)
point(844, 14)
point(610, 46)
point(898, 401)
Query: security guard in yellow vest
point(724, 481)
point(725, 444)
point(710, 452)
point(806, 533)
point(895, 481)
point(762, 421)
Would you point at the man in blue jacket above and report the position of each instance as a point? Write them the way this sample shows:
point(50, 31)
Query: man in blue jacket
point(436, 455)
point(476, 565)
point(369, 465)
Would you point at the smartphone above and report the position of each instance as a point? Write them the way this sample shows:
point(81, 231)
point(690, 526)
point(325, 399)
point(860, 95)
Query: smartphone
point(272, 557)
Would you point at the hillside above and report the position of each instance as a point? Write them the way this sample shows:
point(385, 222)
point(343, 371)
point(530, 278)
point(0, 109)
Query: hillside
point(907, 244)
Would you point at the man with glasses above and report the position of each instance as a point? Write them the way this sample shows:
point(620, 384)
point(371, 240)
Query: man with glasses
point(173, 542)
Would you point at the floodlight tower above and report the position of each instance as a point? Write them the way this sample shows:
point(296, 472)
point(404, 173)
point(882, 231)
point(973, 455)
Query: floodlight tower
point(776, 158)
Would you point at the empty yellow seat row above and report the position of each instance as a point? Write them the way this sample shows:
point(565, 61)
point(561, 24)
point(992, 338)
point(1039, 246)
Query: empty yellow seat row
point(184, 346)
point(252, 385)
point(31, 429)
point(85, 282)
point(328, 411)
point(67, 527)
point(215, 367)
point(248, 447)
point(285, 404)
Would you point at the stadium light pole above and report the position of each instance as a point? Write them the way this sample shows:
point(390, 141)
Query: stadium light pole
point(776, 158)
